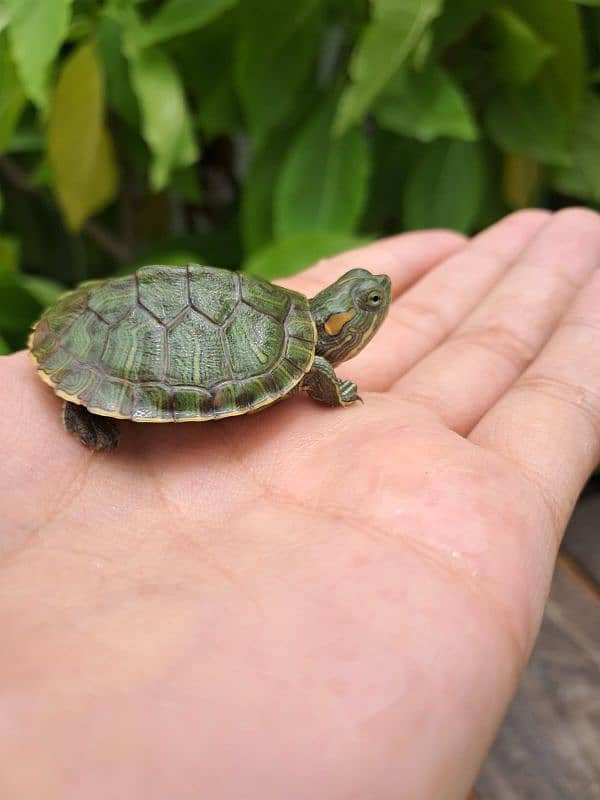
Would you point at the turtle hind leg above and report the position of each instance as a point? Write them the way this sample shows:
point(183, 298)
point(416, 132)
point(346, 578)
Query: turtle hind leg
point(93, 431)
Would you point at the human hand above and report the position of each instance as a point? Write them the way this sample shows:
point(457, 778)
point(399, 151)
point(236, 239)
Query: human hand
point(310, 602)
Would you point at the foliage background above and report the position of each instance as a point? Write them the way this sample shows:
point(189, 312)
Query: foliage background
point(265, 134)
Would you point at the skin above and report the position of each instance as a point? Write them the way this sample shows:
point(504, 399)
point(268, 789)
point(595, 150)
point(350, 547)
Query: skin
point(309, 604)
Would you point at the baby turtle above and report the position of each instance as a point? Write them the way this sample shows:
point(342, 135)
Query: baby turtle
point(196, 343)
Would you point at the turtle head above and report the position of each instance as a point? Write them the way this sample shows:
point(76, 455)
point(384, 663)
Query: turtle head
point(349, 312)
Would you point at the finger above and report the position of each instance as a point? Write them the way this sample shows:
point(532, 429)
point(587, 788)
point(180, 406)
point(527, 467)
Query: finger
point(428, 312)
point(548, 424)
point(463, 377)
point(405, 258)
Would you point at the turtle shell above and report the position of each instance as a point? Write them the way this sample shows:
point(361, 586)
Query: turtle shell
point(175, 344)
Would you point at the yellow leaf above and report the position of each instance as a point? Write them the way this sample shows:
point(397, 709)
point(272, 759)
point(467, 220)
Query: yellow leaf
point(79, 146)
point(520, 180)
point(104, 180)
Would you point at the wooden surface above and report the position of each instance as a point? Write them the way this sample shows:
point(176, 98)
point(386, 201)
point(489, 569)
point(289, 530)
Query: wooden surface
point(549, 745)
point(582, 542)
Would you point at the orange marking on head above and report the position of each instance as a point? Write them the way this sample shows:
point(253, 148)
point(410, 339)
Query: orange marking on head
point(336, 322)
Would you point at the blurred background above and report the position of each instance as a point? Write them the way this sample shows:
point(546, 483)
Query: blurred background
point(263, 135)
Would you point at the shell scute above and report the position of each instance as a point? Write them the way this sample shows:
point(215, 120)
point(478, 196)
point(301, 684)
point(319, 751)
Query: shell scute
point(285, 376)
point(225, 400)
point(152, 402)
point(192, 404)
point(42, 340)
point(66, 310)
point(81, 381)
point(213, 292)
point(57, 364)
point(86, 337)
point(265, 297)
point(195, 350)
point(298, 351)
point(254, 341)
point(163, 305)
point(113, 397)
point(135, 349)
point(113, 300)
point(299, 324)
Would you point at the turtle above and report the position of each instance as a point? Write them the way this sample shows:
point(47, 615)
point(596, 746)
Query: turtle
point(197, 343)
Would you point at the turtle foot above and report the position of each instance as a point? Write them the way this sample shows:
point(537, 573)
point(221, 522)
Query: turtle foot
point(323, 385)
point(93, 431)
point(348, 393)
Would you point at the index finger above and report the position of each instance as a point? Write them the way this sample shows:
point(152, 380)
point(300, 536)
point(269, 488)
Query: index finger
point(405, 258)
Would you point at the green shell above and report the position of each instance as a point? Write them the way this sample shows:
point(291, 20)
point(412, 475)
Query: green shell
point(175, 344)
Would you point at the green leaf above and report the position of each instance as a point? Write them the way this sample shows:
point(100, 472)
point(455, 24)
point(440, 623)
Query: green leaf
point(529, 122)
point(79, 147)
point(582, 177)
point(26, 140)
point(456, 21)
point(44, 290)
point(4, 347)
point(445, 188)
point(426, 105)
point(184, 184)
point(558, 23)
point(81, 25)
point(18, 308)
point(12, 96)
point(519, 53)
point(205, 61)
point(181, 16)
point(9, 252)
point(278, 43)
point(391, 37)
point(166, 123)
point(259, 190)
point(593, 3)
point(422, 51)
point(219, 112)
point(36, 31)
point(4, 17)
point(393, 158)
point(297, 252)
point(119, 93)
point(41, 174)
point(324, 180)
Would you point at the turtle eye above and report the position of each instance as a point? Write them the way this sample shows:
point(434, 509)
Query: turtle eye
point(374, 298)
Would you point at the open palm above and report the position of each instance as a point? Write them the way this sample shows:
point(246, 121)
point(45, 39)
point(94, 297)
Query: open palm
point(310, 602)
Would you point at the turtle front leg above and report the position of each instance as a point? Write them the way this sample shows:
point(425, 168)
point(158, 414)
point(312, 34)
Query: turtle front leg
point(93, 431)
point(323, 385)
